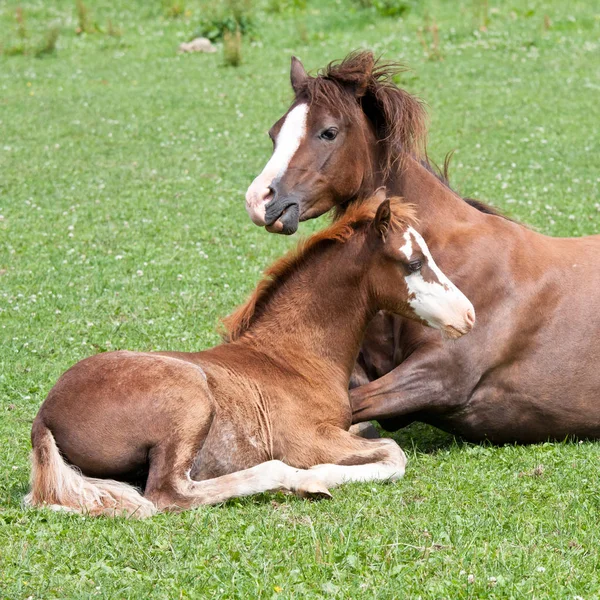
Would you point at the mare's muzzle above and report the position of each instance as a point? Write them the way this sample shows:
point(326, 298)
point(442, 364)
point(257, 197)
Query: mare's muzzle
point(286, 210)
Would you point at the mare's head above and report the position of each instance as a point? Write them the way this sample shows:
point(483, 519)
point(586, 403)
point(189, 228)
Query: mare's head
point(338, 141)
point(404, 278)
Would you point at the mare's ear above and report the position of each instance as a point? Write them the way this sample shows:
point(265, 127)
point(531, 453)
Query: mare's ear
point(298, 75)
point(383, 216)
point(380, 194)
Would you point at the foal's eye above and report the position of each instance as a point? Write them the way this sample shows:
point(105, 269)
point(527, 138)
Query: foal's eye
point(414, 266)
point(329, 134)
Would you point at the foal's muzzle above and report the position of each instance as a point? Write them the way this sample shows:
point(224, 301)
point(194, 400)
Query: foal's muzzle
point(286, 210)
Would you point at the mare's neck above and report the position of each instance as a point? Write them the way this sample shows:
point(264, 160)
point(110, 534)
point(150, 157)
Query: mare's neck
point(438, 207)
point(317, 318)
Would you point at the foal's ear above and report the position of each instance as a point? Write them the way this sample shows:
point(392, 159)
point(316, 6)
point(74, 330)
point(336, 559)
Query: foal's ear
point(383, 216)
point(298, 75)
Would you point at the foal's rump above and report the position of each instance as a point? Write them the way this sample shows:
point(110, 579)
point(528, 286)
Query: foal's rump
point(121, 404)
point(104, 418)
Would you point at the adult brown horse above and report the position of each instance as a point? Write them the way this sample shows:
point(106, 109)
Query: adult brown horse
point(199, 428)
point(529, 371)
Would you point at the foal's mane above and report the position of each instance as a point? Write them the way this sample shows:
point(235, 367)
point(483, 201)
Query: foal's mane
point(399, 118)
point(354, 219)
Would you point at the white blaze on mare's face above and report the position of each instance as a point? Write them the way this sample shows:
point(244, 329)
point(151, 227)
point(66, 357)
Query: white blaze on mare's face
point(288, 140)
point(439, 303)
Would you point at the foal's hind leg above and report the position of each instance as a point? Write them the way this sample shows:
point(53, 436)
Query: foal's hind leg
point(351, 458)
point(180, 492)
point(171, 488)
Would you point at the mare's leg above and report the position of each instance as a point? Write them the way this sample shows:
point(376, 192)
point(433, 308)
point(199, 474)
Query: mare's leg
point(432, 379)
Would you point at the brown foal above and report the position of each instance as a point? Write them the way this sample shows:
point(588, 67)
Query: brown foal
point(529, 371)
point(259, 412)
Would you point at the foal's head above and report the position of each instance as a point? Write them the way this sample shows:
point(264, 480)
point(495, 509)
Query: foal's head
point(337, 142)
point(404, 278)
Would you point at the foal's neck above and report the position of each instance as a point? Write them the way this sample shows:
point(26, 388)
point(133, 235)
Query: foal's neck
point(316, 319)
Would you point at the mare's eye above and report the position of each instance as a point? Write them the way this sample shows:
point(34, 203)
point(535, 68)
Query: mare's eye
point(414, 266)
point(329, 134)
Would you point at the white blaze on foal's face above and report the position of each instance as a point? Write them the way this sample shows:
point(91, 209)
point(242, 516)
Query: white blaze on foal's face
point(435, 300)
point(288, 140)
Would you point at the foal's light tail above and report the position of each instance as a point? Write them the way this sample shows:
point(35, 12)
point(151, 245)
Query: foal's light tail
point(59, 486)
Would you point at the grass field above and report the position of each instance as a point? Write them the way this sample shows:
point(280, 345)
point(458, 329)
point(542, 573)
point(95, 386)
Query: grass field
point(123, 167)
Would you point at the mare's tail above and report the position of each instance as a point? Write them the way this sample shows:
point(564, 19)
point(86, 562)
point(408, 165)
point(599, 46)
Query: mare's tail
point(59, 486)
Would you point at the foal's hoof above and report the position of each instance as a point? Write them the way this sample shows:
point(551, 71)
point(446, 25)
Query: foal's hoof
point(314, 490)
point(365, 430)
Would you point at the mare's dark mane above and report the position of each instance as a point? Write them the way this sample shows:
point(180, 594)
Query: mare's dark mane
point(442, 175)
point(399, 119)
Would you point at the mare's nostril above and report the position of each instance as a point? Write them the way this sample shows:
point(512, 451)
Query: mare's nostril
point(470, 317)
point(267, 194)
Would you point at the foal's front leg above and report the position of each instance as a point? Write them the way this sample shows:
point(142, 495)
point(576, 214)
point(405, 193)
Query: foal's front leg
point(354, 459)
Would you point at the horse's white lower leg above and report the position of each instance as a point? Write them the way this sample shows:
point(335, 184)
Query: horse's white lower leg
point(266, 477)
point(389, 468)
point(275, 475)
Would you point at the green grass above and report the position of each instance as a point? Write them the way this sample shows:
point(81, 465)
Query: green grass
point(123, 167)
